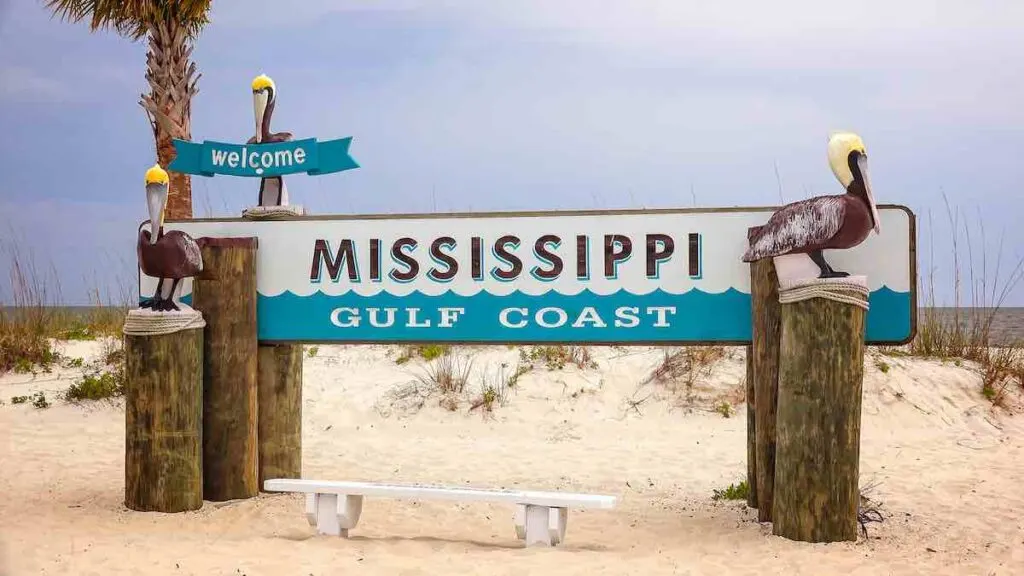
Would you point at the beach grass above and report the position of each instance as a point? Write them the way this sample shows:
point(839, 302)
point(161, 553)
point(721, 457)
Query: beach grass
point(98, 385)
point(427, 352)
point(557, 357)
point(36, 315)
point(980, 286)
point(738, 491)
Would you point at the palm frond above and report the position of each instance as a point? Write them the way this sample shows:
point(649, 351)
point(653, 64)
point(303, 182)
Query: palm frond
point(133, 18)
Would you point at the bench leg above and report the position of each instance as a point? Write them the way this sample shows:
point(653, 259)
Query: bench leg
point(557, 520)
point(333, 514)
point(520, 521)
point(541, 525)
point(311, 504)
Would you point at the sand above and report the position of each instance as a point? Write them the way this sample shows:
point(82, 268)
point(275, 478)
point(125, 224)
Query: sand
point(947, 468)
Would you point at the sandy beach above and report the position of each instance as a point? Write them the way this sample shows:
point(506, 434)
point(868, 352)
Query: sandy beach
point(944, 464)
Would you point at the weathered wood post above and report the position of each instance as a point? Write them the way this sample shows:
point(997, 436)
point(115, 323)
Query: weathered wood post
point(280, 411)
point(163, 458)
point(279, 395)
point(751, 431)
point(821, 370)
point(765, 366)
point(225, 293)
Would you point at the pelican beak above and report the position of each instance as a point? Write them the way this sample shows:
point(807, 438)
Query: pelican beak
point(156, 198)
point(260, 98)
point(862, 164)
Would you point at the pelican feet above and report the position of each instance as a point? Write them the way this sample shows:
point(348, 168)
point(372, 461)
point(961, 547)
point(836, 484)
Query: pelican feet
point(833, 274)
point(160, 305)
point(826, 270)
point(166, 306)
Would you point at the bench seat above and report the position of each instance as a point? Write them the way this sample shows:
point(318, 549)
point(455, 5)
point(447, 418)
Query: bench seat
point(540, 518)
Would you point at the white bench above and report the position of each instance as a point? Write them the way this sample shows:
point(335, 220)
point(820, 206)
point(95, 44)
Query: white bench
point(540, 517)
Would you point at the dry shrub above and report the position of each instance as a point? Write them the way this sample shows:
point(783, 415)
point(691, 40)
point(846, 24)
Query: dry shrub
point(495, 391)
point(404, 399)
point(449, 402)
point(558, 357)
point(447, 376)
point(1004, 367)
point(426, 351)
point(680, 370)
point(686, 366)
point(869, 510)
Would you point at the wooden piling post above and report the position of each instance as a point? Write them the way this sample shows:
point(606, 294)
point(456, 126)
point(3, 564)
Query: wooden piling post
point(163, 458)
point(751, 432)
point(225, 292)
point(818, 426)
point(280, 411)
point(764, 296)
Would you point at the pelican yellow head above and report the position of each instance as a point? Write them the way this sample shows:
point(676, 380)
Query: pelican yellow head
point(840, 146)
point(156, 199)
point(156, 175)
point(263, 95)
point(262, 82)
point(849, 161)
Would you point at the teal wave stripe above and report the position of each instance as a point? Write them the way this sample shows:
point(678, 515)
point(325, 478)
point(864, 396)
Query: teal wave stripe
point(262, 160)
point(699, 317)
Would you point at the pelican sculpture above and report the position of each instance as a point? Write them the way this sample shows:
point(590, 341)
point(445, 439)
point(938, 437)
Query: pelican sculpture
point(264, 95)
point(824, 222)
point(168, 256)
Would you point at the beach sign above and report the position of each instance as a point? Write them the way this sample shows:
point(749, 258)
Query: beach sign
point(262, 160)
point(655, 277)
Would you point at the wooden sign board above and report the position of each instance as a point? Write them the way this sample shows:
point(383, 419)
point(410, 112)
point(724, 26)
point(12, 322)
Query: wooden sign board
point(654, 277)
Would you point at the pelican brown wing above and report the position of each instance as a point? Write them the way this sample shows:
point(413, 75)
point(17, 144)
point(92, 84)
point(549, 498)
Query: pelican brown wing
point(797, 226)
point(190, 249)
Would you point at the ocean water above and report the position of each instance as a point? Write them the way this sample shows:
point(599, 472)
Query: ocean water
point(1007, 323)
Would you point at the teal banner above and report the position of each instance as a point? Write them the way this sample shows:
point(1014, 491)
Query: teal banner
point(262, 160)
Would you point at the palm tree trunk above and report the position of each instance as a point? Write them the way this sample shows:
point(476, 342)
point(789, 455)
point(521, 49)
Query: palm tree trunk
point(172, 80)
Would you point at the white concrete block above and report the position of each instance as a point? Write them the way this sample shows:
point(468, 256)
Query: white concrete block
point(327, 521)
point(349, 509)
point(520, 521)
point(537, 526)
point(311, 499)
point(557, 520)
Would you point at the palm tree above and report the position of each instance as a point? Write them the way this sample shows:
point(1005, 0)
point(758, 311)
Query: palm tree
point(171, 27)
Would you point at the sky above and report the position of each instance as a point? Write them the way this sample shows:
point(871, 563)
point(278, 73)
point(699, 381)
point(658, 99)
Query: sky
point(533, 105)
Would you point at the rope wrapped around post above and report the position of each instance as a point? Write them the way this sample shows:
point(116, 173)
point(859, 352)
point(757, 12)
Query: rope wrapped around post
point(849, 290)
point(286, 212)
point(147, 323)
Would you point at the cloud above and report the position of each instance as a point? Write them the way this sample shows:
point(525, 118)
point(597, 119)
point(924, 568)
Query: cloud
point(914, 59)
point(67, 248)
point(67, 85)
point(262, 14)
point(22, 85)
